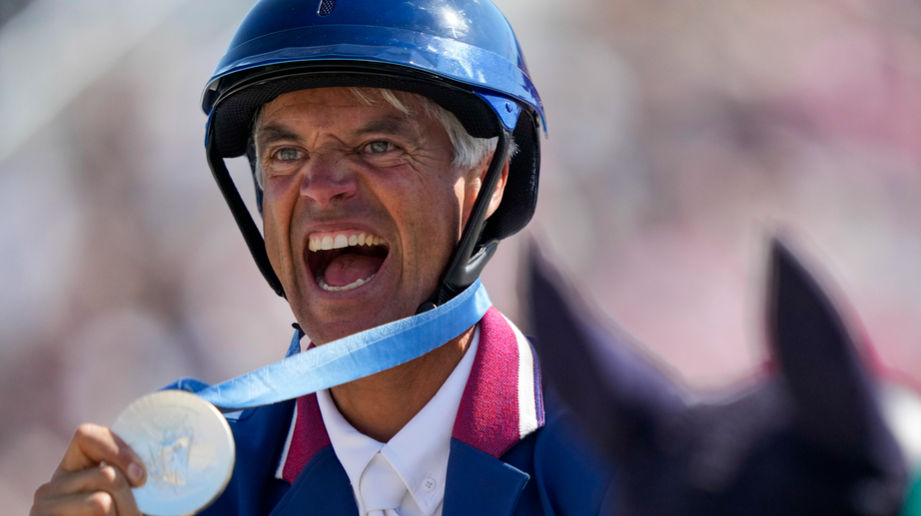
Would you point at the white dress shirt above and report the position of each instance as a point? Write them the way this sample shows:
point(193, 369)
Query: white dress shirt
point(418, 452)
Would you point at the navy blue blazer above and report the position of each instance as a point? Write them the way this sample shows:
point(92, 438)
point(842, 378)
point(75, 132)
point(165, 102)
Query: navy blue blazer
point(513, 450)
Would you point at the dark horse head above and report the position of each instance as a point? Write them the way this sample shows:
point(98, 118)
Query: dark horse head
point(808, 440)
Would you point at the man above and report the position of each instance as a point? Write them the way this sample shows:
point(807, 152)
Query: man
point(392, 144)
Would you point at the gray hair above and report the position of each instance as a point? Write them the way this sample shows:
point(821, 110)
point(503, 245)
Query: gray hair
point(469, 151)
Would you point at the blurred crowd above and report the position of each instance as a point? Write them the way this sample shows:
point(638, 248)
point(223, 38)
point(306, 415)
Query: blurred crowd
point(681, 136)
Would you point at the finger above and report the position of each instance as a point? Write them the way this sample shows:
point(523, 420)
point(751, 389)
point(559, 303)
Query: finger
point(94, 444)
point(98, 490)
point(99, 503)
point(99, 478)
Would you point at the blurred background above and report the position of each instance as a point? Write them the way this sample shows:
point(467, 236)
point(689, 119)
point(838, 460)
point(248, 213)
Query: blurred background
point(682, 135)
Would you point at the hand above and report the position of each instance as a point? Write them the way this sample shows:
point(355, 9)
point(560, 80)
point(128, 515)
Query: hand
point(95, 477)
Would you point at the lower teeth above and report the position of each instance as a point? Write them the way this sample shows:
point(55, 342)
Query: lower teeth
point(355, 284)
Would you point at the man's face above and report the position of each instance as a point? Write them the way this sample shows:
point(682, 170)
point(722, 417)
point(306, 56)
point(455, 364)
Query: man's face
point(374, 184)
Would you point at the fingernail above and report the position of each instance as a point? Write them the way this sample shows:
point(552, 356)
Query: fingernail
point(135, 472)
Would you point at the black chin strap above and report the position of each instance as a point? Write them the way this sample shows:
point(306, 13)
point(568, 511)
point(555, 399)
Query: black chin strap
point(471, 255)
point(241, 215)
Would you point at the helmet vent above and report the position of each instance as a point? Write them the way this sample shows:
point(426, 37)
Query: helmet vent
point(326, 7)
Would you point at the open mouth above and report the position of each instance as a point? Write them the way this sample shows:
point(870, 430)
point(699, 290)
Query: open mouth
point(345, 260)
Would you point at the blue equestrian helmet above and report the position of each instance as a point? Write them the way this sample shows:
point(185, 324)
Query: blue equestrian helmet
point(462, 54)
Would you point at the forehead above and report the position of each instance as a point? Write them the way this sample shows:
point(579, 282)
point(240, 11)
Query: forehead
point(336, 102)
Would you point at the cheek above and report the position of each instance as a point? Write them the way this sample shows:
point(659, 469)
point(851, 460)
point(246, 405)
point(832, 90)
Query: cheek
point(447, 212)
point(276, 217)
point(448, 204)
point(429, 217)
point(274, 241)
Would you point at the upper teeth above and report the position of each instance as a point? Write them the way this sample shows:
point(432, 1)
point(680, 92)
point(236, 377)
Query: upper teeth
point(339, 240)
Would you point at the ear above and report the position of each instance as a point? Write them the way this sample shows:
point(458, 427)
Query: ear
point(481, 170)
point(500, 189)
point(623, 401)
point(817, 357)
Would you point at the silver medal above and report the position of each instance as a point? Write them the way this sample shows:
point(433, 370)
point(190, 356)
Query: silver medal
point(187, 449)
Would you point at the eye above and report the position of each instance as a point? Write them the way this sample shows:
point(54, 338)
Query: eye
point(379, 147)
point(287, 154)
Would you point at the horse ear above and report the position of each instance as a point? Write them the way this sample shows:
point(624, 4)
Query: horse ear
point(623, 401)
point(832, 394)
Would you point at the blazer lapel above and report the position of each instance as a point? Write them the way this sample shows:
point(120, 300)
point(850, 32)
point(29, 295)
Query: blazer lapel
point(319, 484)
point(502, 403)
point(479, 483)
point(322, 488)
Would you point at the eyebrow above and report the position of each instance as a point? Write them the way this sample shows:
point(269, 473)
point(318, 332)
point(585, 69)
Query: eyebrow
point(273, 133)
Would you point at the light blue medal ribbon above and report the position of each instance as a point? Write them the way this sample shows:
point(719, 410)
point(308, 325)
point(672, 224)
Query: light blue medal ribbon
point(348, 358)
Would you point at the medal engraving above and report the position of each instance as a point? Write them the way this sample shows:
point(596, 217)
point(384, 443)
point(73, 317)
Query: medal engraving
point(168, 459)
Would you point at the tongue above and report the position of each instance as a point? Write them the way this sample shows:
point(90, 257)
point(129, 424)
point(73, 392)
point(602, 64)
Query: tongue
point(348, 268)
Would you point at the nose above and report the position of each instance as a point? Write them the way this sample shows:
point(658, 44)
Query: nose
point(328, 179)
